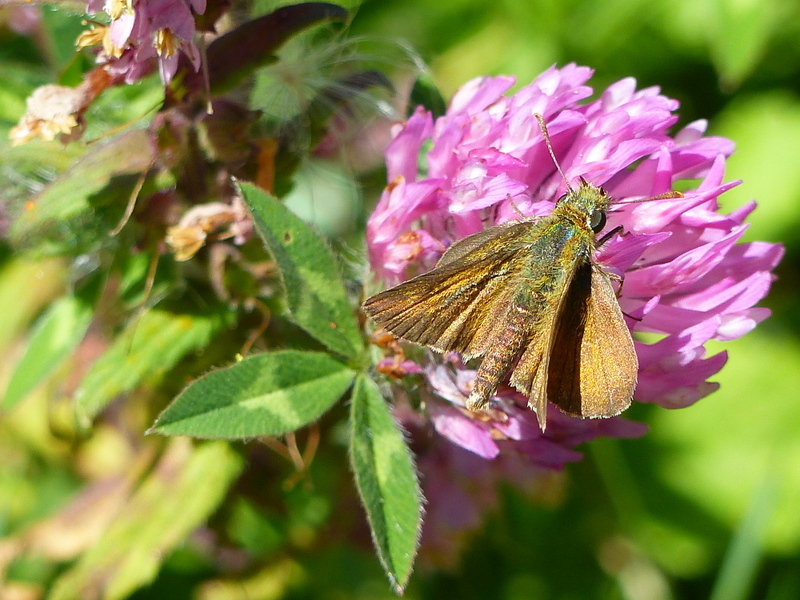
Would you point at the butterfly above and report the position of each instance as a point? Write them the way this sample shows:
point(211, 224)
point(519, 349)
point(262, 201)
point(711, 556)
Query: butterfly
point(529, 299)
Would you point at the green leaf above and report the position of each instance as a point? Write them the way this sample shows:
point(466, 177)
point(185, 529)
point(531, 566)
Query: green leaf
point(386, 480)
point(148, 346)
point(741, 563)
point(137, 285)
point(315, 294)
point(235, 55)
point(184, 488)
point(26, 288)
point(426, 94)
point(267, 394)
point(56, 334)
point(71, 193)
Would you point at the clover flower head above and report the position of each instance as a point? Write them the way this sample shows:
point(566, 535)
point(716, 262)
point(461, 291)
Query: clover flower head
point(685, 277)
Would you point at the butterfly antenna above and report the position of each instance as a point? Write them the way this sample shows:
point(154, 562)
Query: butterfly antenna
point(664, 196)
point(546, 135)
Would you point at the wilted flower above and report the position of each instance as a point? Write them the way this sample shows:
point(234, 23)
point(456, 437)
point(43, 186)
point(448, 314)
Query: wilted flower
point(55, 110)
point(209, 222)
point(52, 110)
point(685, 278)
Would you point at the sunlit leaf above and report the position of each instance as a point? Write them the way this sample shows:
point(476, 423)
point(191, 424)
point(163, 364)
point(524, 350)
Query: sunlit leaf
point(22, 301)
point(267, 394)
point(147, 347)
point(387, 481)
point(71, 193)
point(315, 294)
point(184, 488)
point(55, 335)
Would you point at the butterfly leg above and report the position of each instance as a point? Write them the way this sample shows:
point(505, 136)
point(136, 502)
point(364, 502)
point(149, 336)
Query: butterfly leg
point(608, 236)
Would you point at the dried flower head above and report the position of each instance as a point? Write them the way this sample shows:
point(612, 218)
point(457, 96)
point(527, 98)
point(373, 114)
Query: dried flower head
point(208, 222)
point(52, 110)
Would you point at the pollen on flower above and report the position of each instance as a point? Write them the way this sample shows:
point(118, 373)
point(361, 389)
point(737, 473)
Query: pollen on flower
point(394, 364)
point(411, 240)
point(397, 369)
point(185, 241)
point(394, 183)
point(115, 8)
point(91, 37)
point(166, 43)
point(99, 35)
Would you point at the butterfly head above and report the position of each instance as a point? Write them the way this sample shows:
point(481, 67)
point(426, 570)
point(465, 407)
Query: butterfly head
point(586, 205)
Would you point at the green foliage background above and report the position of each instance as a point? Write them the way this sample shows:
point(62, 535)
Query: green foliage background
point(704, 506)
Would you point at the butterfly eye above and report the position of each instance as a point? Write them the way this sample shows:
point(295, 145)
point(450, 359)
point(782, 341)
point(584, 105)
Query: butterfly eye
point(597, 221)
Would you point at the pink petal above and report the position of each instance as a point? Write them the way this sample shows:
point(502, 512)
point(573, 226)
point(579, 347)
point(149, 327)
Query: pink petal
point(467, 433)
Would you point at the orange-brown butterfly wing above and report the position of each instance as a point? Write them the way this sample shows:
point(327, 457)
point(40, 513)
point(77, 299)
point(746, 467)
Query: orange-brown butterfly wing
point(593, 365)
point(458, 304)
point(531, 373)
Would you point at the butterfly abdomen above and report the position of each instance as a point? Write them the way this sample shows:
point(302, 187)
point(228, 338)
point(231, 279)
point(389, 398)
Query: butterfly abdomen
point(501, 355)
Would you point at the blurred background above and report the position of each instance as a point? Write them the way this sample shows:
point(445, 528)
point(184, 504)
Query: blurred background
point(704, 506)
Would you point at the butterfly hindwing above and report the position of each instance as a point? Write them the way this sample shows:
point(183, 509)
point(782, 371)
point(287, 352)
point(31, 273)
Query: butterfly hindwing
point(607, 352)
point(593, 364)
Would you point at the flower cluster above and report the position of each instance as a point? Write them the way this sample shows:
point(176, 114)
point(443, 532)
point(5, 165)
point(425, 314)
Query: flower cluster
point(142, 31)
point(485, 161)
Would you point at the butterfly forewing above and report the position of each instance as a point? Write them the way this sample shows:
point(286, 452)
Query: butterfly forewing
point(452, 307)
point(499, 241)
